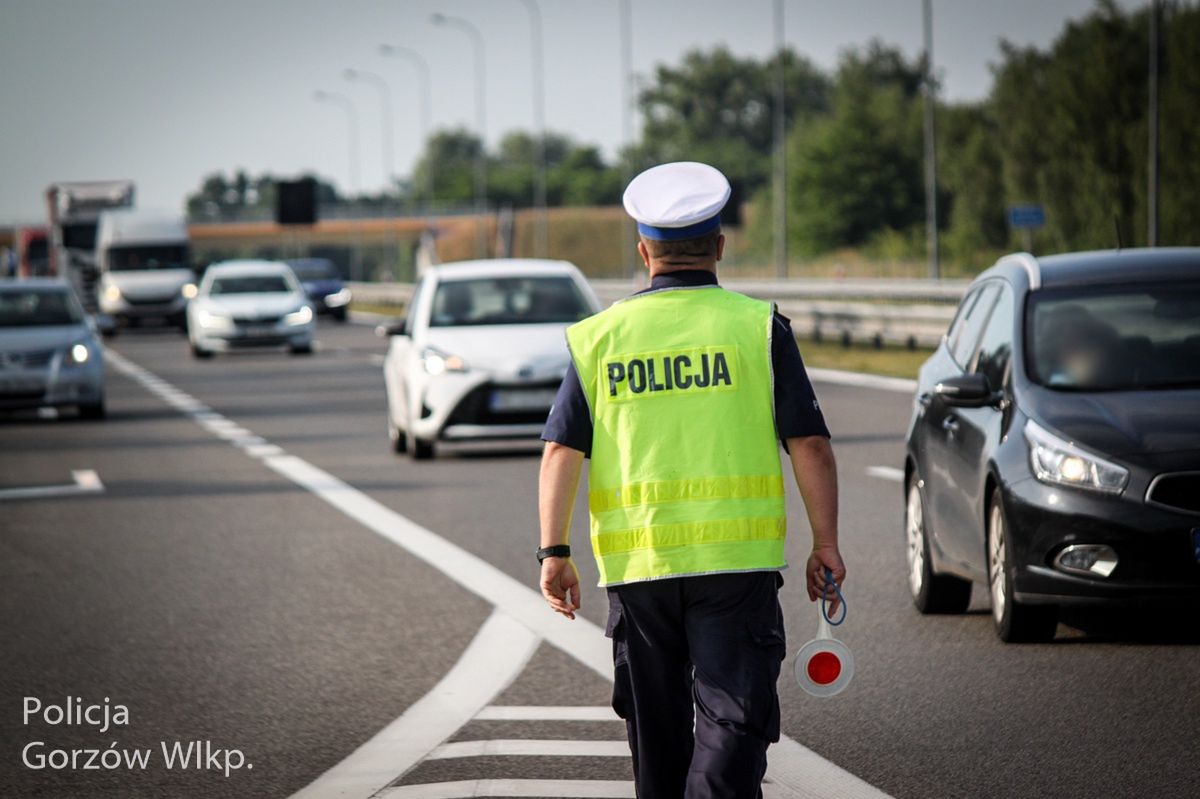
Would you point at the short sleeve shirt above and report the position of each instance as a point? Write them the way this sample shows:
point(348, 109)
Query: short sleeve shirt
point(797, 411)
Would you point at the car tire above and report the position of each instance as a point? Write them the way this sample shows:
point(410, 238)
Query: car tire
point(420, 449)
point(397, 436)
point(92, 410)
point(1015, 622)
point(931, 593)
point(339, 315)
point(303, 349)
point(201, 353)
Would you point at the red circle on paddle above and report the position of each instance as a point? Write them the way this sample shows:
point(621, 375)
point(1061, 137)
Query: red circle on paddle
point(824, 668)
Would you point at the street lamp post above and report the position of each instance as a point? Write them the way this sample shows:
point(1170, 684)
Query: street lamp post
point(626, 38)
point(931, 231)
point(385, 116)
point(541, 239)
point(481, 123)
point(426, 88)
point(780, 136)
point(352, 125)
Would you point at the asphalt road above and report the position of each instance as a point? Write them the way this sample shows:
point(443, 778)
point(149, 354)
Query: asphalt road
point(220, 601)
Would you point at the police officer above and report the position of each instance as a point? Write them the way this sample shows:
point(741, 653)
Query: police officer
point(678, 394)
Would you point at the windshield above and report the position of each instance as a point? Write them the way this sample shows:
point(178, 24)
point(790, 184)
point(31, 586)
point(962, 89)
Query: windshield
point(38, 307)
point(141, 258)
point(508, 301)
point(1115, 338)
point(79, 236)
point(315, 270)
point(250, 284)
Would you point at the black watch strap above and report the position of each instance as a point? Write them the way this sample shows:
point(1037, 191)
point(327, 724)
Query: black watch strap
point(557, 551)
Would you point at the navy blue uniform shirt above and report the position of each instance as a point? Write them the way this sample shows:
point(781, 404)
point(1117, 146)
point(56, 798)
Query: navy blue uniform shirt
point(796, 410)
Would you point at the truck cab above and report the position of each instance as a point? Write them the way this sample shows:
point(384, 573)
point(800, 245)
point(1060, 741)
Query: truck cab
point(145, 267)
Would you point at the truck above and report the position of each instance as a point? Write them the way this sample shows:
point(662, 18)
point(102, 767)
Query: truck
point(32, 252)
point(144, 267)
point(73, 210)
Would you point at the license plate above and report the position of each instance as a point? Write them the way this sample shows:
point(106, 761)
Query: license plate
point(522, 400)
point(19, 386)
point(258, 330)
point(1196, 543)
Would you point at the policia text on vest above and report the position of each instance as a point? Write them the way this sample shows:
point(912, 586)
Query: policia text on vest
point(652, 373)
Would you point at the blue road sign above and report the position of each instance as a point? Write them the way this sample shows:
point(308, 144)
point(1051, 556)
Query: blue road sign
point(1026, 216)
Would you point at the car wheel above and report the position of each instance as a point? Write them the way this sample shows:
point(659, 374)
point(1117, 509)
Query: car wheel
point(303, 349)
point(1015, 621)
point(396, 436)
point(92, 410)
point(931, 593)
point(419, 448)
point(339, 315)
point(200, 352)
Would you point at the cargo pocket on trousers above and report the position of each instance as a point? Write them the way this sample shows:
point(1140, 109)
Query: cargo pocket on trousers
point(770, 648)
point(615, 629)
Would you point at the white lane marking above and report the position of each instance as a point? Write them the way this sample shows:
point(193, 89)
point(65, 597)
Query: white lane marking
point(886, 473)
point(547, 713)
point(863, 380)
point(790, 765)
point(530, 747)
point(491, 661)
point(86, 481)
point(565, 789)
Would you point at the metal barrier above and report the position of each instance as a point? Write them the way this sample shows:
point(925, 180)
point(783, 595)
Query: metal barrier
point(913, 313)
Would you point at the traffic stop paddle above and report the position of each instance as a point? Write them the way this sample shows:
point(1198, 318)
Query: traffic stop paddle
point(824, 665)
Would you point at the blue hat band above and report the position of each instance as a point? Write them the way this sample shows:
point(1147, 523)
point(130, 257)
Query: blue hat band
point(680, 233)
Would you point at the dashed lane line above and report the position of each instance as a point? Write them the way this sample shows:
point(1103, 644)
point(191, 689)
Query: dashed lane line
point(793, 770)
point(85, 481)
point(886, 473)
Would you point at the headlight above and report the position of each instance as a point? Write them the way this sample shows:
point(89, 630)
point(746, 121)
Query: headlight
point(78, 354)
point(188, 291)
point(112, 293)
point(1055, 460)
point(437, 362)
point(212, 320)
point(300, 316)
point(338, 298)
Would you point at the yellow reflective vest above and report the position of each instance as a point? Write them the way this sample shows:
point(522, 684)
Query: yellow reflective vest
point(685, 476)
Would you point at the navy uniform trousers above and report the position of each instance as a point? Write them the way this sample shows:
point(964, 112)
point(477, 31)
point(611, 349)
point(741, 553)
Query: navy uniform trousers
point(712, 643)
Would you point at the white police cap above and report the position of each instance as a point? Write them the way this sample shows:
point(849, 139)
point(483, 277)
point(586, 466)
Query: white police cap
point(680, 200)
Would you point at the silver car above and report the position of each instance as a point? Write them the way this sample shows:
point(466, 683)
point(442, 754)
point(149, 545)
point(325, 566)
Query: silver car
point(50, 355)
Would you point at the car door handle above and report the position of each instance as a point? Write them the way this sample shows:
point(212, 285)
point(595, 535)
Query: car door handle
point(950, 424)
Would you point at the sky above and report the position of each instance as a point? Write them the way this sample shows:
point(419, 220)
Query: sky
point(165, 92)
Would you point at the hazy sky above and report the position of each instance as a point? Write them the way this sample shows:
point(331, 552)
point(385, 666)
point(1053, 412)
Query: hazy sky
point(165, 91)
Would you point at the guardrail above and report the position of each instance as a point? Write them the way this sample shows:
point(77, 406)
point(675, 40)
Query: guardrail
point(913, 313)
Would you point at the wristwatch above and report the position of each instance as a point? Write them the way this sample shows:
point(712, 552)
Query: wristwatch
point(557, 551)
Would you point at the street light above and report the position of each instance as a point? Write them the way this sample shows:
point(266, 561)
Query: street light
point(385, 116)
point(780, 136)
point(626, 38)
point(541, 241)
point(931, 233)
point(480, 120)
point(352, 125)
point(422, 67)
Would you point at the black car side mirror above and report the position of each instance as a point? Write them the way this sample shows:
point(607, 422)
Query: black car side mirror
point(966, 391)
point(395, 329)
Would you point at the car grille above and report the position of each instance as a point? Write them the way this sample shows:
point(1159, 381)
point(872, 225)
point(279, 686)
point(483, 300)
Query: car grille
point(30, 359)
point(473, 409)
point(1180, 491)
point(150, 300)
point(256, 320)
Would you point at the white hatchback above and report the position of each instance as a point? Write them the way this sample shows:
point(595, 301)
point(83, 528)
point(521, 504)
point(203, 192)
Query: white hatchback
point(482, 352)
point(242, 304)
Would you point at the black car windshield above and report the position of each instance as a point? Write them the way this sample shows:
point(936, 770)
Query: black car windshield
point(38, 308)
point(139, 258)
point(315, 270)
point(507, 301)
point(250, 284)
point(1115, 338)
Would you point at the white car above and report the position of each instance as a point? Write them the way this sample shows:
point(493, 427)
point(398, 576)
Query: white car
point(241, 304)
point(482, 352)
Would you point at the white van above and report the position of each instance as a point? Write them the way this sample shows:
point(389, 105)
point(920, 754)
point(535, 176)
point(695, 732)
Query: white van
point(145, 265)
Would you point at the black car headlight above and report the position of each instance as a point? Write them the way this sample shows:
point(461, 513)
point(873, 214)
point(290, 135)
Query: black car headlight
point(1058, 461)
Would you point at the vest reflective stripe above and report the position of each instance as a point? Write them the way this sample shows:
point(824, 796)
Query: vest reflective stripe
point(746, 487)
point(685, 475)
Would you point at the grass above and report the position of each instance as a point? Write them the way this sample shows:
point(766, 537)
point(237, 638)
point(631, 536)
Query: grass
point(890, 361)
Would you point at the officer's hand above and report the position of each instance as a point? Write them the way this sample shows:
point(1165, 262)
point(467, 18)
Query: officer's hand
point(560, 585)
point(821, 559)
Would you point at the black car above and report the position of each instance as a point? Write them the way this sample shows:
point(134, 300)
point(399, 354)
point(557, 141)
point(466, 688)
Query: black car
point(323, 285)
point(1054, 449)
